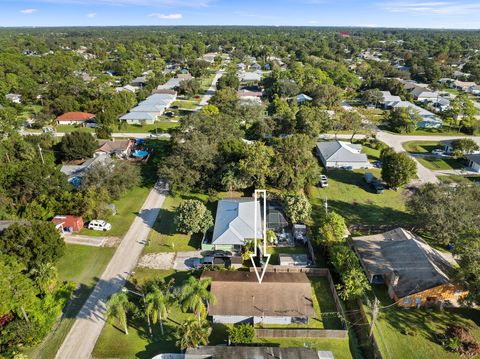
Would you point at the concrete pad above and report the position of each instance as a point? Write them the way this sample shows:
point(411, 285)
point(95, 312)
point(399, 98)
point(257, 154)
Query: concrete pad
point(185, 260)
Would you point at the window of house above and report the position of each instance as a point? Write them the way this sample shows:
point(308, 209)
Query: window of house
point(406, 300)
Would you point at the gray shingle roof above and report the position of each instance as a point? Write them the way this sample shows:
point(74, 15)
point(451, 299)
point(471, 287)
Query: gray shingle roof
point(238, 352)
point(338, 151)
point(418, 265)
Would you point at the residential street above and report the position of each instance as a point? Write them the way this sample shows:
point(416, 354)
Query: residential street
point(83, 335)
point(211, 90)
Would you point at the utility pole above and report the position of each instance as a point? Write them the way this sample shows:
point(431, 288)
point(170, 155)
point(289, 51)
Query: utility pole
point(375, 310)
point(41, 154)
point(325, 205)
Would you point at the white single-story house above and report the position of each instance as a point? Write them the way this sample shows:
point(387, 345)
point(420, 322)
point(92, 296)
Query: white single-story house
point(250, 77)
point(301, 98)
point(389, 100)
point(75, 118)
point(448, 144)
point(339, 154)
point(128, 88)
point(136, 118)
point(474, 161)
point(235, 224)
point(281, 298)
point(139, 81)
point(429, 119)
point(462, 85)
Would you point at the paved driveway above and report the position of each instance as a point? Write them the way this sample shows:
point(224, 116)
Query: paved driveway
point(89, 322)
point(185, 260)
point(84, 240)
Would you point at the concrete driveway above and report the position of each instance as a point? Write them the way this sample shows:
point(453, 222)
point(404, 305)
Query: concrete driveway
point(84, 240)
point(185, 260)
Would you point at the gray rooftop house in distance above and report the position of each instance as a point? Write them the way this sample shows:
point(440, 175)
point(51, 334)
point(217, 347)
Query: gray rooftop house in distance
point(339, 154)
point(234, 224)
point(239, 352)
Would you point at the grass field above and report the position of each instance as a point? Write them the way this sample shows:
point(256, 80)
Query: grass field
point(161, 126)
point(421, 147)
point(113, 343)
point(460, 179)
point(71, 128)
point(82, 265)
point(424, 325)
point(433, 163)
point(349, 195)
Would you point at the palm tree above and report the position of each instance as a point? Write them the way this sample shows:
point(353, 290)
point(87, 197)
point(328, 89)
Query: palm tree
point(194, 296)
point(46, 277)
point(192, 333)
point(117, 307)
point(156, 305)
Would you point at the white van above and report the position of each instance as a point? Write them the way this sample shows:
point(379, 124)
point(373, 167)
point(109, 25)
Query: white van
point(99, 225)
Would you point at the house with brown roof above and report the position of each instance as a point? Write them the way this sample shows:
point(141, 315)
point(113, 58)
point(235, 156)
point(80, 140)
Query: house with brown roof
point(281, 298)
point(75, 118)
point(414, 273)
point(120, 148)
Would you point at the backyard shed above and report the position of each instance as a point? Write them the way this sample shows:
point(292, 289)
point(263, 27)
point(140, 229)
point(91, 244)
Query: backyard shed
point(68, 223)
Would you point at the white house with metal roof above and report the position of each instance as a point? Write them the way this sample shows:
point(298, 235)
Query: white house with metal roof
point(339, 154)
point(235, 224)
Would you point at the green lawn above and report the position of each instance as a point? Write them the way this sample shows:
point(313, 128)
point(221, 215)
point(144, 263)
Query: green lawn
point(161, 126)
point(421, 146)
point(460, 179)
point(424, 325)
point(437, 164)
point(186, 104)
point(349, 195)
point(82, 265)
point(164, 238)
point(113, 343)
point(71, 128)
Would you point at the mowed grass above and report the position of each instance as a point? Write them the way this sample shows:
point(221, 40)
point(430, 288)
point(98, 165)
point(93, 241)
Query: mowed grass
point(71, 128)
point(349, 195)
point(113, 343)
point(161, 126)
point(82, 265)
point(439, 163)
point(423, 325)
point(186, 104)
point(421, 147)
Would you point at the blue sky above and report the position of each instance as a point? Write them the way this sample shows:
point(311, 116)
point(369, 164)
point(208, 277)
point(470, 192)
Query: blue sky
point(371, 13)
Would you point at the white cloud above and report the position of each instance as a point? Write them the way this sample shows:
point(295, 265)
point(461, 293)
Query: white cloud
point(432, 7)
point(314, 22)
point(28, 11)
point(91, 15)
point(175, 16)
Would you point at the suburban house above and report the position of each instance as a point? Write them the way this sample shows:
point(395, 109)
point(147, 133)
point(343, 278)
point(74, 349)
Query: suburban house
point(175, 81)
point(428, 119)
point(128, 88)
point(149, 110)
point(281, 298)
point(339, 154)
point(462, 85)
point(75, 173)
point(415, 273)
point(448, 144)
point(210, 57)
point(119, 148)
point(302, 98)
point(250, 77)
point(389, 100)
point(250, 97)
point(68, 223)
point(474, 161)
point(139, 81)
point(75, 118)
point(253, 352)
point(234, 224)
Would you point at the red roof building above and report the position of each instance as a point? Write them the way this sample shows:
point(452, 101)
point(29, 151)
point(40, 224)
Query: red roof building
point(72, 118)
point(68, 223)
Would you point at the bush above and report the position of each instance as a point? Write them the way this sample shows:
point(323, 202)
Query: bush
point(241, 334)
point(297, 208)
point(192, 216)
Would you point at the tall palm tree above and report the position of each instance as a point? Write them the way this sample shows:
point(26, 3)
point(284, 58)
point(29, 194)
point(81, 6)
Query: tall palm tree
point(192, 333)
point(117, 307)
point(196, 297)
point(156, 305)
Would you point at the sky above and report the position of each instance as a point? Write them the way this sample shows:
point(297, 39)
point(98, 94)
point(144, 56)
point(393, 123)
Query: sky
point(459, 14)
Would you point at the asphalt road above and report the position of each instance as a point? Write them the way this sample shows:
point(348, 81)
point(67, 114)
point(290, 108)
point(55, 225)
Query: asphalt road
point(88, 325)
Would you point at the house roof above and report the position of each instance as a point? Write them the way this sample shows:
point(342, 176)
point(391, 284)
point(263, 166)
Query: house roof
point(115, 146)
point(419, 266)
point(303, 97)
point(164, 91)
point(339, 151)
point(139, 116)
point(260, 352)
point(80, 170)
point(474, 157)
point(279, 294)
point(75, 116)
point(148, 107)
point(235, 221)
point(389, 98)
point(250, 76)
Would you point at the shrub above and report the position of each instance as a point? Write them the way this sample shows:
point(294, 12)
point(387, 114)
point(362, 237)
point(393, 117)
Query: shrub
point(241, 334)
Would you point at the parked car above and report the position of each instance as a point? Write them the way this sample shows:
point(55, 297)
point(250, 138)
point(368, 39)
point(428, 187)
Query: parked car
point(169, 114)
point(99, 225)
point(438, 152)
point(323, 181)
point(211, 261)
point(369, 177)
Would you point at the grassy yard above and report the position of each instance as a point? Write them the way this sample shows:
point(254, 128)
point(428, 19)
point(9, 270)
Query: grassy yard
point(421, 147)
point(349, 195)
point(72, 128)
point(159, 125)
point(424, 325)
point(113, 343)
point(438, 164)
point(186, 104)
point(82, 265)
point(460, 179)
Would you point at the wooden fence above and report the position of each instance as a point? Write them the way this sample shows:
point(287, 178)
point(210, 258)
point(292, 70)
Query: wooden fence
point(300, 333)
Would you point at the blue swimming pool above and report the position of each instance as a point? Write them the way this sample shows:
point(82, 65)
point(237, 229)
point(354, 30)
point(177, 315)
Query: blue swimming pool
point(140, 154)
